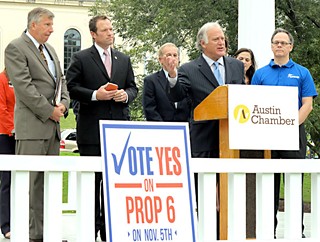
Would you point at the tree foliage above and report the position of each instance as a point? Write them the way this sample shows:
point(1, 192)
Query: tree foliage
point(302, 19)
point(144, 25)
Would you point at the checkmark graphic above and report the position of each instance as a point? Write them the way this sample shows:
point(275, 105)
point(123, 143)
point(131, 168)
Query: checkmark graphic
point(117, 166)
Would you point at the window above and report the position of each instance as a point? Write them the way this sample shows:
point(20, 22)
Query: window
point(72, 44)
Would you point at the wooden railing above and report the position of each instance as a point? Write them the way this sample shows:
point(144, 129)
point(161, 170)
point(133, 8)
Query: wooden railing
point(81, 186)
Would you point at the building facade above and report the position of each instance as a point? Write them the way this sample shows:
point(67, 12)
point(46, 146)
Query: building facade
point(71, 31)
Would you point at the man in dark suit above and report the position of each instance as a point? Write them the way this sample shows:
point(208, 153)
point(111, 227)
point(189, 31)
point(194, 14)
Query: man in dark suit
point(41, 100)
point(87, 79)
point(156, 104)
point(197, 79)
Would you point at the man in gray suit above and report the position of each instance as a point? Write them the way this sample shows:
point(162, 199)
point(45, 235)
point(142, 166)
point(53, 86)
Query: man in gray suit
point(41, 100)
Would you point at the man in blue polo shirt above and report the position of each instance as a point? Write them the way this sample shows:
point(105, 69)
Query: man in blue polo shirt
point(283, 71)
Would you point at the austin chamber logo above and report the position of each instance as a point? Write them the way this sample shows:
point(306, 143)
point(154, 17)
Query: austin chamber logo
point(261, 115)
point(241, 113)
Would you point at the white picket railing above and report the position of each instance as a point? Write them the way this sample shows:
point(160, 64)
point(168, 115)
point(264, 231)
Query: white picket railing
point(82, 188)
point(53, 166)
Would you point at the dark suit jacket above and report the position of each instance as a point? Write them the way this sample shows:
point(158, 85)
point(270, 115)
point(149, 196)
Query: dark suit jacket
point(196, 79)
point(85, 75)
point(156, 103)
point(34, 88)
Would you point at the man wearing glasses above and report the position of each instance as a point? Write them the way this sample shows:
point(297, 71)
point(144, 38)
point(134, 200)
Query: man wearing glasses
point(283, 71)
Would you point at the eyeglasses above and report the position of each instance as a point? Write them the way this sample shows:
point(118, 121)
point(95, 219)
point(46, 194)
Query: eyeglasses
point(282, 43)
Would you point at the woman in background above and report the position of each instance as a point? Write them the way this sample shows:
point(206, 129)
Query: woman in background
point(247, 57)
point(7, 146)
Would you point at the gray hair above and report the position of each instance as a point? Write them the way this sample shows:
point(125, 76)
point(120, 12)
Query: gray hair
point(160, 51)
point(203, 33)
point(280, 30)
point(36, 14)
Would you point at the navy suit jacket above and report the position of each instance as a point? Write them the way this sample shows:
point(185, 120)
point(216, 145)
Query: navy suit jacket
point(86, 74)
point(156, 104)
point(197, 80)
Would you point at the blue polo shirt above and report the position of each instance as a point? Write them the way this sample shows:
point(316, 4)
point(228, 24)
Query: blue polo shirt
point(290, 74)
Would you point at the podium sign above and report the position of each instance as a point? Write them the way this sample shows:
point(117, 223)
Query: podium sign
point(263, 117)
point(148, 186)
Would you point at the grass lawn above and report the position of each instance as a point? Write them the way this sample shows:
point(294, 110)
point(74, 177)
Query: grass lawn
point(69, 122)
point(306, 188)
point(65, 178)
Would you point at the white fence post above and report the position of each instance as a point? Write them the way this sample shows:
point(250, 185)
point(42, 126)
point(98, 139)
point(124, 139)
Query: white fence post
point(293, 206)
point(52, 217)
point(19, 223)
point(315, 205)
point(85, 199)
point(265, 206)
point(237, 209)
point(207, 213)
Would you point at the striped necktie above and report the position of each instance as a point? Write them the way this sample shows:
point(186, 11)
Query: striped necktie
point(42, 54)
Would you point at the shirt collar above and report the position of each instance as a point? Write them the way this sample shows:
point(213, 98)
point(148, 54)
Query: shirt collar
point(35, 42)
point(289, 64)
point(165, 73)
point(210, 61)
point(101, 50)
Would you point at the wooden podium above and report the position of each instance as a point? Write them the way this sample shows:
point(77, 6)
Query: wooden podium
point(215, 107)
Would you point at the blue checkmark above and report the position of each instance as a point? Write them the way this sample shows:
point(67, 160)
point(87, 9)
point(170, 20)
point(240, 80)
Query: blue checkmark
point(117, 166)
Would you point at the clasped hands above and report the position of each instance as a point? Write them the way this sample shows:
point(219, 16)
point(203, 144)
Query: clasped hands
point(116, 95)
point(58, 112)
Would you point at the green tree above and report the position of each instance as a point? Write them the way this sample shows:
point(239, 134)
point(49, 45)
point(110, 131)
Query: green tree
point(303, 21)
point(145, 25)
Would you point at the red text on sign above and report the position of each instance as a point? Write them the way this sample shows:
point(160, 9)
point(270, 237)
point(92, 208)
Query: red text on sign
point(169, 163)
point(147, 210)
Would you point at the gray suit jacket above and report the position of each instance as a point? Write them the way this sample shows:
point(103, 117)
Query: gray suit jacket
point(34, 88)
point(196, 79)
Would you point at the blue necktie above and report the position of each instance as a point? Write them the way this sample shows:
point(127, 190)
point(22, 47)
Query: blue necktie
point(217, 73)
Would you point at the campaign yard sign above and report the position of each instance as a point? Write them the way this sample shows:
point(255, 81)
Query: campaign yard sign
point(148, 186)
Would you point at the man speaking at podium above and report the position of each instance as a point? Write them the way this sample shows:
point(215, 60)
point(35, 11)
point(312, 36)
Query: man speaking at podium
point(282, 71)
point(199, 78)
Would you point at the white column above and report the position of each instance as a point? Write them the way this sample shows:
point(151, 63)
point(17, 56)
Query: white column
point(255, 26)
